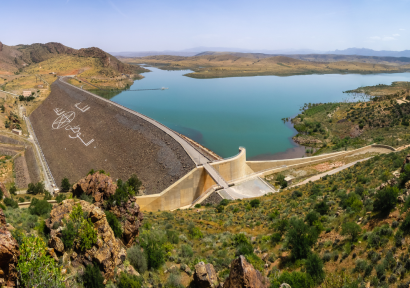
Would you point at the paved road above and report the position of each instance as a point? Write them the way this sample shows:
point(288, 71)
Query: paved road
point(330, 172)
point(195, 155)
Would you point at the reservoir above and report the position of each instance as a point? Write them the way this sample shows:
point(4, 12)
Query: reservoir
point(225, 113)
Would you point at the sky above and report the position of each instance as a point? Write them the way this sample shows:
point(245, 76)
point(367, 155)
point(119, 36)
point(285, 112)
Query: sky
point(158, 25)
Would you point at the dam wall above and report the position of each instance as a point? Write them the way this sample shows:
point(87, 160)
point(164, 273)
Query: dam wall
point(197, 183)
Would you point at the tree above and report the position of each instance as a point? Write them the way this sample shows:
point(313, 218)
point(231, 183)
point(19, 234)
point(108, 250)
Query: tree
point(39, 207)
point(10, 203)
point(281, 225)
point(69, 234)
point(322, 208)
point(35, 268)
point(65, 184)
point(13, 189)
point(92, 277)
point(281, 179)
point(314, 267)
point(300, 238)
point(134, 182)
point(386, 199)
point(152, 243)
point(114, 224)
point(87, 234)
point(311, 217)
point(137, 259)
point(255, 203)
point(352, 229)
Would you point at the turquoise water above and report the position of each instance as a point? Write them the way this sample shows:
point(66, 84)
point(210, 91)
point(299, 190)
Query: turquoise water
point(225, 113)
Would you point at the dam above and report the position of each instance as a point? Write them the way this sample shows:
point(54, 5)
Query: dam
point(79, 131)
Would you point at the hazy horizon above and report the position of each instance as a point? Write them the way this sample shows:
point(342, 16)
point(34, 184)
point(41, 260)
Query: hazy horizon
point(124, 25)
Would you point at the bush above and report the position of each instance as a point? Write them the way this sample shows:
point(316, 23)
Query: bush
point(405, 226)
point(172, 236)
point(128, 281)
point(137, 259)
point(1, 194)
point(296, 194)
point(69, 234)
point(114, 224)
point(65, 184)
point(275, 238)
point(295, 279)
point(322, 208)
point(35, 268)
point(60, 198)
point(92, 277)
point(47, 196)
point(194, 232)
point(281, 179)
point(386, 199)
point(352, 229)
point(174, 281)
point(314, 267)
point(152, 242)
point(13, 189)
point(87, 235)
point(224, 202)
point(186, 251)
point(300, 238)
point(244, 249)
point(39, 207)
point(35, 189)
point(311, 217)
point(134, 183)
point(255, 203)
point(10, 203)
point(87, 198)
point(239, 238)
point(220, 208)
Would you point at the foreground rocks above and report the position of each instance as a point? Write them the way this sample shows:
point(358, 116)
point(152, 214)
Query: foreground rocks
point(205, 276)
point(3, 188)
point(243, 275)
point(101, 187)
point(108, 252)
point(9, 254)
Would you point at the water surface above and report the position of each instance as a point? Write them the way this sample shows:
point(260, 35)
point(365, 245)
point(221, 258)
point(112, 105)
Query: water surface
point(225, 113)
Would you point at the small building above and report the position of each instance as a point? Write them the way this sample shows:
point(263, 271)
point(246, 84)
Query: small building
point(17, 131)
point(26, 93)
point(40, 86)
point(289, 179)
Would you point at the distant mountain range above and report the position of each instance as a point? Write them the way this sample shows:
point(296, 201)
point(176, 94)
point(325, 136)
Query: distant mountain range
point(201, 50)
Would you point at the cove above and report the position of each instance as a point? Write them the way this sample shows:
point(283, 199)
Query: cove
point(225, 113)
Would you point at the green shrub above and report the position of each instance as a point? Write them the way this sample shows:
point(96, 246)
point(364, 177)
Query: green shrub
point(92, 277)
point(224, 202)
point(173, 236)
point(314, 267)
point(39, 207)
point(114, 224)
point(295, 279)
point(197, 205)
point(10, 203)
point(239, 238)
point(60, 198)
point(65, 184)
point(186, 251)
point(21, 199)
point(194, 232)
point(134, 183)
point(386, 199)
point(281, 179)
point(128, 281)
point(35, 268)
point(322, 208)
point(47, 196)
point(275, 238)
point(2, 206)
point(220, 208)
point(174, 281)
point(352, 229)
point(1, 194)
point(300, 237)
point(244, 249)
point(296, 194)
point(281, 225)
point(13, 189)
point(35, 189)
point(87, 235)
point(137, 259)
point(69, 234)
point(256, 262)
point(255, 203)
point(311, 217)
point(405, 225)
point(87, 198)
point(152, 242)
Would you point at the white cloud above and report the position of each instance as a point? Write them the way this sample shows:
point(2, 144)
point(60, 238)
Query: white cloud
point(402, 29)
point(396, 35)
point(375, 38)
point(385, 38)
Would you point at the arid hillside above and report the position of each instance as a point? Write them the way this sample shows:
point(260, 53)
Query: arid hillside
point(236, 64)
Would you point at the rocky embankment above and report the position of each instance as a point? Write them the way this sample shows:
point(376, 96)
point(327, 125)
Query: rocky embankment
point(101, 187)
point(9, 254)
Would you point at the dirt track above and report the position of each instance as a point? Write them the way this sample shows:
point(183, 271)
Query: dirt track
point(122, 144)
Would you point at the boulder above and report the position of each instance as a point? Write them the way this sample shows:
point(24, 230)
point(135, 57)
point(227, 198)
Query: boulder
point(9, 254)
point(101, 187)
point(243, 274)
point(107, 252)
point(6, 193)
point(205, 276)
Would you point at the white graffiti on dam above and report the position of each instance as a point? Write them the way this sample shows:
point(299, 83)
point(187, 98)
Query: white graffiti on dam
point(65, 118)
point(85, 108)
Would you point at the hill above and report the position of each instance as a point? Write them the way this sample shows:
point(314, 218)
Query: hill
point(214, 65)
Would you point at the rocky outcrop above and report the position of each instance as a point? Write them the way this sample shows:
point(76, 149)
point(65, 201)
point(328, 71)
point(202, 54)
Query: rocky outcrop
point(205, 276)
point(101, 187)
point(307, 141)
point(9, 254)
point(107, 252)
point(243, 275)
point(3, 189)
point(98, 185)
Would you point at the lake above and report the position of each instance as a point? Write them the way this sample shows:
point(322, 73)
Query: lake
point(225, 113)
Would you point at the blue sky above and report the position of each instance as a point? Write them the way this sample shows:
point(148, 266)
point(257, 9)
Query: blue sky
point(126, 25)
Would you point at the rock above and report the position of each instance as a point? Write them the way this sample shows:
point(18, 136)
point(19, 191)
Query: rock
point(56, 243)
point(264, 256)
point(400, 199)
point(9, 254)
point(52, 253)
point(284, 285)
point(130, 270)
point(6, 193)
point(243, 274)
point(101, 187)
point(205, 276)
point(73, 256)
point(107, 252)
